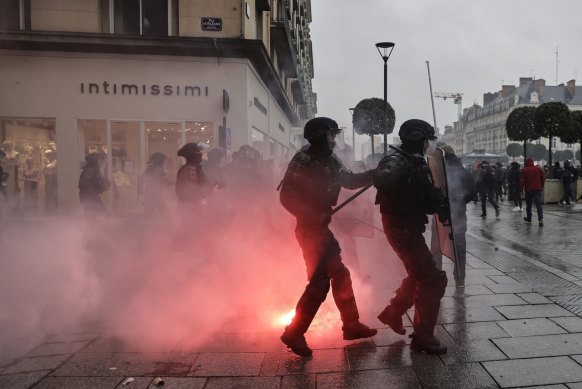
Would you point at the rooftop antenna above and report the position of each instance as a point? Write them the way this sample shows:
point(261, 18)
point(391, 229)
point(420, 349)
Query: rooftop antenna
point(557, 47)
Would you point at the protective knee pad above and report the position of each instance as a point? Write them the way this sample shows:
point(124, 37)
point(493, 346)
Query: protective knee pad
point(318, 289)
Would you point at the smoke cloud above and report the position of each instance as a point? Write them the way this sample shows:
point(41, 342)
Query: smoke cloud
point(156, 284)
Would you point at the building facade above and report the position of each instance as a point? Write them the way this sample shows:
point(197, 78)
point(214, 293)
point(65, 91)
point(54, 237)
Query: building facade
point(483, 127)
point(134, 77)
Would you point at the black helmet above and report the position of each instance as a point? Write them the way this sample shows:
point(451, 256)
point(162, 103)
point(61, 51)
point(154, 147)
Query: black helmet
point(94, 158)
point(416, 130)
point(157, 158)
point(317, 128)
point(189, 150)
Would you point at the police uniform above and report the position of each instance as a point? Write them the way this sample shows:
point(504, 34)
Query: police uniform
point(406, 194)
point(92, 184)
point(309, 190)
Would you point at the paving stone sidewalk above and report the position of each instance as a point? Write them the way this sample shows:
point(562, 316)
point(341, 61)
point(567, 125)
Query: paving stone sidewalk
point(516, 324)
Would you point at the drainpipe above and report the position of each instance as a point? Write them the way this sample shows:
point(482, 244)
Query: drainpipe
point(242, 18)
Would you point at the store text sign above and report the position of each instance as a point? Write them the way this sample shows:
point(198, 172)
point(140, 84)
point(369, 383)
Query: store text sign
point(106, 88)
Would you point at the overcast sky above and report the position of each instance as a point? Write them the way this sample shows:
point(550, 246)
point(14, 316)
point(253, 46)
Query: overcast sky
point(473, 48)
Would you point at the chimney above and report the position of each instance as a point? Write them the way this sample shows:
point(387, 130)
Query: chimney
point(525, 80)
point(489, 97)
point(507, 89)
point(540, 84)
point(571, 85)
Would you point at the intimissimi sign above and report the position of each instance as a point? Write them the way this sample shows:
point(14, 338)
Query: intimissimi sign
point(106, 88)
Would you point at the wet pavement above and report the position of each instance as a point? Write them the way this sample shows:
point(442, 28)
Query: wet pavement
point(517, 323)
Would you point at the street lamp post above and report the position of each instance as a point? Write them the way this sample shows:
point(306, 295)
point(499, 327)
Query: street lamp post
point(385, 50)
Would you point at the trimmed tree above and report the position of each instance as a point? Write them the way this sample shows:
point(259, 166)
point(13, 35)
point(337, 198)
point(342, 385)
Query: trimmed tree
point(539, 152)
point(368, 118)
point(568, 154)
point(551, 120)
point(520, 126)
point(514, 150)
point(559, 156)
point(574, 132)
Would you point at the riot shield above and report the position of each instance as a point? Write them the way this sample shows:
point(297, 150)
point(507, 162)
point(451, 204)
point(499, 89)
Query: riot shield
point(447, 244)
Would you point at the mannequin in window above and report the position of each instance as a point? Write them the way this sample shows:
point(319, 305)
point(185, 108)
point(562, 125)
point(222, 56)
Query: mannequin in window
point(30, 175)
point(11, 154)
point(50, 180)
point(11, 168)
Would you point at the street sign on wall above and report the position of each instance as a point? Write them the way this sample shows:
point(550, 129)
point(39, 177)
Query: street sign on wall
point(212, 24)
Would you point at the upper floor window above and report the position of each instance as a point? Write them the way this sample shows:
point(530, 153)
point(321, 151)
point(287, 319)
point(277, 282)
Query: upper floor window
point(142, 17)
point(9, 15)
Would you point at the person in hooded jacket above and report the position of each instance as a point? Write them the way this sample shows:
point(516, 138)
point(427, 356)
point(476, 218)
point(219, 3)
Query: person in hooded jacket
point(487, 183)
point(309, 189)
point(532, 182)
point(406, 194)
point(568, 177)
point(92, 184)
point(514, 190)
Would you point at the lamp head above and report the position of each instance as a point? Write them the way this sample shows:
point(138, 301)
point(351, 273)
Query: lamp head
point(385, 49)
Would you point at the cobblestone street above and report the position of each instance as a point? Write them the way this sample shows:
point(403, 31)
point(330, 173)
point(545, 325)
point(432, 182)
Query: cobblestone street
point(517, 323)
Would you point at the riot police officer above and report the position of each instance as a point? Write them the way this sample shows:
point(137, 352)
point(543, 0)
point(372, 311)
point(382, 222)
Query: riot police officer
point(406, 194)
point(92, 184)
point(309, 189)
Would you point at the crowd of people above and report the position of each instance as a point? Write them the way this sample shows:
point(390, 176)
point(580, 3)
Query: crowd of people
point(497, 183)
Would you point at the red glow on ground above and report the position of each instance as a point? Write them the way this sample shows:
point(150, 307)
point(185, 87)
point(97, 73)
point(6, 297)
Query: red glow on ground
point(286, 318)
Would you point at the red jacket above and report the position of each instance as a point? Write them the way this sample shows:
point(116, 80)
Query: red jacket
point(532, 177)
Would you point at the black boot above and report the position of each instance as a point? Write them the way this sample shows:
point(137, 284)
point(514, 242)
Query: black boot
point(427, 343)
point(296, 342)
point(358, 331)
point(392, 320)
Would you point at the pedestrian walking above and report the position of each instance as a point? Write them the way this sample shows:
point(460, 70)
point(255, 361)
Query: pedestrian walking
point(514, 190)
point(310, 188)
point(406, 195)
point(500, 179)
point(568, 178)
point(487, 183)
point(476, 173)
point(532, 182)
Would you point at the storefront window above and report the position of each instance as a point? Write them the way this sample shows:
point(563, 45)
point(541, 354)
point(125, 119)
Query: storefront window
point(129, 148)
point(126, 165)
point(164, 137)
point(200, 132)
point(28, 159)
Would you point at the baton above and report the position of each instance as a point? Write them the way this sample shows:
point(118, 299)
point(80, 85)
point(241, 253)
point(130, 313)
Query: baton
point(365, 188)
